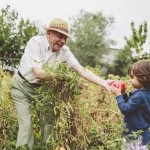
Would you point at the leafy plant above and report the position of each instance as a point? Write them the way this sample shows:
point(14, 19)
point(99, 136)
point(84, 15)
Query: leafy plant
point(81, 114)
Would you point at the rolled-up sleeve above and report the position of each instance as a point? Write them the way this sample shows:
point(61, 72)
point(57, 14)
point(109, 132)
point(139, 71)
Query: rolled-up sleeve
point(70, 59)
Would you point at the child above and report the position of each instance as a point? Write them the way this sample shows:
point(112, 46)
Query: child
point(136, 110)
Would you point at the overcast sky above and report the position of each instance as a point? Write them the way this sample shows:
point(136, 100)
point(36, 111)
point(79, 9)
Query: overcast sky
point(124, 12)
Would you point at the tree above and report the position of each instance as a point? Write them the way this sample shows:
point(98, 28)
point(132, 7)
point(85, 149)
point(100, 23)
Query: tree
point(89, 37)
point(138, 38)
point(15, 33)
point(133, 44)
point(121, 62)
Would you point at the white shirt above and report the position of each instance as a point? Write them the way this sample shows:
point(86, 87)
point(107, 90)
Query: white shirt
point(38, 53)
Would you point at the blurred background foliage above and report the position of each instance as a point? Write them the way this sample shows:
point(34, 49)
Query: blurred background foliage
point(89, 40)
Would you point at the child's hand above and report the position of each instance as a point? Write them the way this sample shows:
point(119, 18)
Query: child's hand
point(116, 91)
point(118, 87)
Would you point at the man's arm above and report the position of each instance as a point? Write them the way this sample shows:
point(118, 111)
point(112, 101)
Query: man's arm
point(90, 76)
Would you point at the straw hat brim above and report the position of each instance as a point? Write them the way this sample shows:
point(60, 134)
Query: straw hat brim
point(58, 30)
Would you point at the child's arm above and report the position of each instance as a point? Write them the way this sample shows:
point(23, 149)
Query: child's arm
point(132, 104)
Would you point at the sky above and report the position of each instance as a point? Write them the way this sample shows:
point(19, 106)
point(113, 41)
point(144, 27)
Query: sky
point(124, 12)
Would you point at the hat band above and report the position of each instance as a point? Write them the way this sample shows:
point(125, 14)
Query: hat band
point(59, 28)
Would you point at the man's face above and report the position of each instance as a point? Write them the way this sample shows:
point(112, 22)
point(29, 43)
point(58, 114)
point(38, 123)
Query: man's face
point(56, 40)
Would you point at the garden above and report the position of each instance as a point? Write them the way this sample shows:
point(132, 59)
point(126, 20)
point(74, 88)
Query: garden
point(82, 115)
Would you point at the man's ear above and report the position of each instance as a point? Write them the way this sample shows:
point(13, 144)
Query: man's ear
point(48, 32)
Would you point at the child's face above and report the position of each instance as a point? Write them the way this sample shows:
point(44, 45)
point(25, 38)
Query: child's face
point(135, 83)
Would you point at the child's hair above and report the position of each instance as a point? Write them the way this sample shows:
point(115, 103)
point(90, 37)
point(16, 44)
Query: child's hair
point(141, 70)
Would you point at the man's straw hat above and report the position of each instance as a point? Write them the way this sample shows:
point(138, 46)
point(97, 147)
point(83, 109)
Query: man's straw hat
point(59, 25)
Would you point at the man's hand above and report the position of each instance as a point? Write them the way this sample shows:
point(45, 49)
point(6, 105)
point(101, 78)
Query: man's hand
point(116, 91)
point(41, 74)
point(106, 84)
point(119, 85)
point(109, 82)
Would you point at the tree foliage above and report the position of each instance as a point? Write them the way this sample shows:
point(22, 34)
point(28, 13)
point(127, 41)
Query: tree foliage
point(133, 44)
point(89, 37)
point(15, 33)
point(121, 62)
point(138, 38)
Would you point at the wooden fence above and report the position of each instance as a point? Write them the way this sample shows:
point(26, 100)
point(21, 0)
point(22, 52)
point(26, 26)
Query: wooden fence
point(9, 64)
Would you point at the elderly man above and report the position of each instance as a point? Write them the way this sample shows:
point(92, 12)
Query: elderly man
point(42, 50)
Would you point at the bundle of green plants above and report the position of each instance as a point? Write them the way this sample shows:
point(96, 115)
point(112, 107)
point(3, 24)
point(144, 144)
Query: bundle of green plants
point(59, 106)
